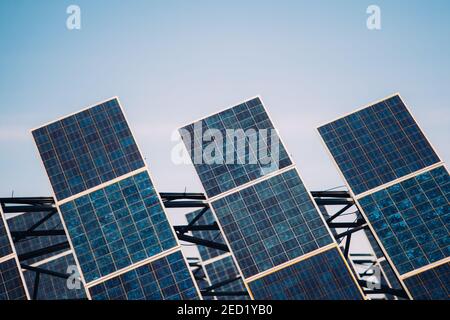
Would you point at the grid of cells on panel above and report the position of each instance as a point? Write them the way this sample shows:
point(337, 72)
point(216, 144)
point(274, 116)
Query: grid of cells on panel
point(207, 218)
point(11, 285)
point(373, 243)
point(167, 278)
point(377, 145)
point(412, 219)
point(223, 270)
point(433, 284)
point(390, 274)
point(86, 149)
point(321, 277)
point(5, 245)
point(117, 226)
point(245, 125)
point(271, 222)
point(56, 288)
point(202, 280)
point(25, 245)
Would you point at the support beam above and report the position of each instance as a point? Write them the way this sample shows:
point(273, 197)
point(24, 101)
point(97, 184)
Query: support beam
point(44, 251)
point(203, 242)
point(18, 235)
point(210, 227)
point(31, 208)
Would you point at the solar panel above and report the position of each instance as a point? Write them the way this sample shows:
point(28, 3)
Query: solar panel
point(267, 215)
point(400, 183)
point(378, 144)
point(411, 219)
point(117, 226)
point(223, 270)
point(321, 277)
point(167, 278)
point(11, 285)
point(5, 245)
point(26, 221)
point(433, 284)
point(110, 208)
point(88, 148)
point(271, 222)
point(207, 218)
point(51, 287)
point(221, 177)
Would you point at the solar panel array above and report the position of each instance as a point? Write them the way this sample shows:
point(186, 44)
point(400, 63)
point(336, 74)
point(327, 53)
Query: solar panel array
point(433, 284)
point(56, 288)
point(112, 212)
point(267, 216)
point(399, 182)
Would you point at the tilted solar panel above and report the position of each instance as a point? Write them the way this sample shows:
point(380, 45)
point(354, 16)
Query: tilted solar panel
point(254, 162)
point(11, 284)
point(321, 277)
point(88, 148)
point(5, 245)
point(378, 144)
point(271, 222)
point(167, 278)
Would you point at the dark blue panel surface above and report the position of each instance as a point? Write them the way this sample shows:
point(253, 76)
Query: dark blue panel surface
point(207, 218)
point(223, 270)
point(86, 149)
point(271, 222)
point(412, 219)
point(56, 288)
point(222, 177)
point(117, 226)
point(433, 284)
point(25, 221)
point(377, 145)
point(321, 277)
point(11, 285)
point(167, 278)
point(5, 244)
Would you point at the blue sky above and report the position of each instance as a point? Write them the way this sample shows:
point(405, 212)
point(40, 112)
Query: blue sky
point(171, 62)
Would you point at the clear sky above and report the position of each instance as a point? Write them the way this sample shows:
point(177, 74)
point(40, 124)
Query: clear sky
point(171, 62)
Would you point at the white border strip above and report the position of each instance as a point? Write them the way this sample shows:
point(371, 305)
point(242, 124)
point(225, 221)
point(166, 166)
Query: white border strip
point(425, 268)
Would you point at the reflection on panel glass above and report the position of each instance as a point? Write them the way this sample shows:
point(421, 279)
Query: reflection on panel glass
point(433, 284)
point(271, 222)
point(377, 145)
point(86, 149)
point(11, 285)
point(5, 245)
point(167, 278)
point(117, 226)
point(256, 159)
point(28, 244)
point(207, 218)
point(51, 287)
point(321, 277)
point(412, 219)
point(223, 270)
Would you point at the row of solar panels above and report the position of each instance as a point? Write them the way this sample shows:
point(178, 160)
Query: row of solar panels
point(125, 248)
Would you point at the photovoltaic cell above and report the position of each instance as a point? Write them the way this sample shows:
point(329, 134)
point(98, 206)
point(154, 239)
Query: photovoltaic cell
point(412, 219)
point(207, 218)
point(167, 278)
point(223, 270)
point(56, 288)
point(433, 284)
point(86, 149)
point(250, 117)
point(5, 245)
point(24, 222)
point(11, 285)
point(378, 144)
point(117, 226)
point(271, 222)
point(321, 277)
